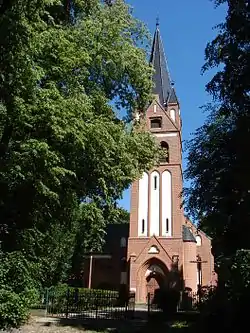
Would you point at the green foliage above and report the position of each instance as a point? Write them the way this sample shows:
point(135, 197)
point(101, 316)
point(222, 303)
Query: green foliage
point(62, 141)
point(118, 216)
point(18, 288)
point(61, 297)
point(13, 309)
point(218, 165)
point(226, 307)
point(90, 234)
point(238, 282)
point(65, 156)
point(218, 156)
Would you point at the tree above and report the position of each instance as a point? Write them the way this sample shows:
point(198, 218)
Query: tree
point(218, 155)
point(218, 164)
point(61, 142)
point(118, 215)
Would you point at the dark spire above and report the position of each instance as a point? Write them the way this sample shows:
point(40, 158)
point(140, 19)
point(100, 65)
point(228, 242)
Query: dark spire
point(162, 82)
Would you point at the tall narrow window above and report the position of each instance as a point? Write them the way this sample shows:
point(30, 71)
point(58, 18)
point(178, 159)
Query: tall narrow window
point(172, 114)
point(167, 226)
point(143, 226)
point(143, 205)
point(166, 206)
point(154, 214)
point(155, 182)
point(165, 148)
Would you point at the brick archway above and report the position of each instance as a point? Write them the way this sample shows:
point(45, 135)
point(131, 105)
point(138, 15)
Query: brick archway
point(151, 276)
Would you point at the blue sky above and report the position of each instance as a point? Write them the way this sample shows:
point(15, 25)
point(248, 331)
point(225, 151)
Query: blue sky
point(186, 26)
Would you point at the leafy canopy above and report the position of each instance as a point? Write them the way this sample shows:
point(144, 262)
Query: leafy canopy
point(218, 160)
point(65, 156)
point(60, 138)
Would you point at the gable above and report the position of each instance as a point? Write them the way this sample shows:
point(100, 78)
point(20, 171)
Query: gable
point(156, 111)
point(147, 251)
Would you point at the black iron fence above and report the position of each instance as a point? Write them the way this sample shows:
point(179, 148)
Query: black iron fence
point(189, 301)
point(172, 302)
point(88, 304)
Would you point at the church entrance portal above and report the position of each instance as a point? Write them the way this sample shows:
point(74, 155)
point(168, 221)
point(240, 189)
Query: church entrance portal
point(153, 287)
point(152, 277)
point(154, 282)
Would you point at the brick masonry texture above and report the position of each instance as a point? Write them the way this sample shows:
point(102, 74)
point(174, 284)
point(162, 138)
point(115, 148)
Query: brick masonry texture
point(139, 258)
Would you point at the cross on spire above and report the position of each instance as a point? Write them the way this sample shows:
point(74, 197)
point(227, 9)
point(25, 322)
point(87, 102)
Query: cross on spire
point(157, 21)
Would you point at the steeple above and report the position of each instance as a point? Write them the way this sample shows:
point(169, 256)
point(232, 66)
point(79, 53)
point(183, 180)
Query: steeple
point(163, 85)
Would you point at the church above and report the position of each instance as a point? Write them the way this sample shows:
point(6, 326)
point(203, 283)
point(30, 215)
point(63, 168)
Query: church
point(160, 248)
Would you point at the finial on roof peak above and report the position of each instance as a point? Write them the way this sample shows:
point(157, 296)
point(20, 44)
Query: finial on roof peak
point(157, 21)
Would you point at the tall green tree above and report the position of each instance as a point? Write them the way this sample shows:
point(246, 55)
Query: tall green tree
point(61, 141)
point(218, 167)
point(218, 160)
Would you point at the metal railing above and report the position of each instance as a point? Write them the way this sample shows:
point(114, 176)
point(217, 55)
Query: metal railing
point(88, 304)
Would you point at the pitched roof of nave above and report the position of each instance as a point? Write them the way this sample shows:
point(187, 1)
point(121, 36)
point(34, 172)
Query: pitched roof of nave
point(187, 235)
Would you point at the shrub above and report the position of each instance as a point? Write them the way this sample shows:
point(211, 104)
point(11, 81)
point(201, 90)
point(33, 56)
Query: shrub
point(167, 301)
point(17, 289)
point(61, 297)
point(226, 309)
point(13, 309)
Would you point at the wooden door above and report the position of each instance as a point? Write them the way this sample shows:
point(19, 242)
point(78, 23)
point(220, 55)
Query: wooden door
point(152, 286)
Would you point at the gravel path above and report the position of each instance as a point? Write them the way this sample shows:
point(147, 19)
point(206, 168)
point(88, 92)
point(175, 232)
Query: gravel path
point(38, 324)
point(47, 325)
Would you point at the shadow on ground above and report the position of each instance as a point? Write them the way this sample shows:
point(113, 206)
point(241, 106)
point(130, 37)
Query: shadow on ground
point(140, 324)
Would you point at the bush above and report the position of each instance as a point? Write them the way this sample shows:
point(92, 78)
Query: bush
point(17, 289)
point(61, 297)
point(13, 309)
point(226, 308)
point(167, 301)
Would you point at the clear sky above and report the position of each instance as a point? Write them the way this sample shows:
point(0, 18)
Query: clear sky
point(186, 26)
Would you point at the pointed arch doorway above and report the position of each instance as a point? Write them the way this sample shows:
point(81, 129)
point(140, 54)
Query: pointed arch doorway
point(155, 278)
point(151, 279)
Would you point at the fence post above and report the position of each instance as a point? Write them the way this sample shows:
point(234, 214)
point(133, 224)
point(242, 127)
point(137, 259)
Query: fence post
point(96, 307)
point(133, 304)
point(46, 300)
point(127, 309)
point(148, 301)
point(67, 305)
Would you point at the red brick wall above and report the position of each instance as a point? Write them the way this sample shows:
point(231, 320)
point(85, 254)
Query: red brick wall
point(190, 269)
point(205, 251)
point(138, 247)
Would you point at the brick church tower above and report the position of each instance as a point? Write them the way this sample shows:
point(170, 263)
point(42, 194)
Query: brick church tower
point(162, 246)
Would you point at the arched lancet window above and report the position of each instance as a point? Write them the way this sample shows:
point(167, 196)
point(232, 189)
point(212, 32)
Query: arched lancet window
point(123, 242)
point(198, 240)
point(165, 149)
point(172, 114)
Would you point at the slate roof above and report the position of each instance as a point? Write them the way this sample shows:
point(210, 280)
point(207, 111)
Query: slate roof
point(173, 98)
point(162, 82)
point(114, 233)
point(187, 235)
